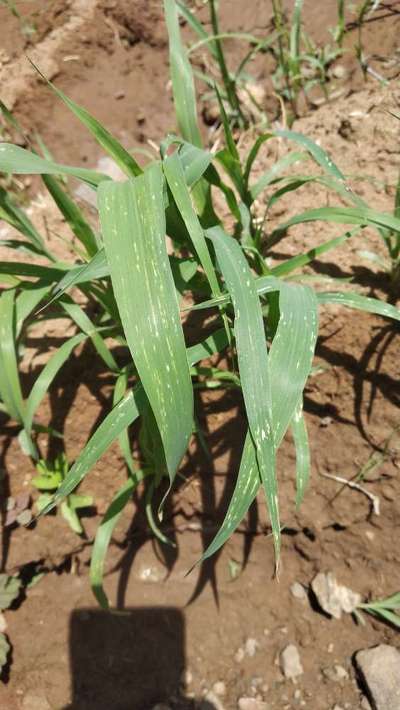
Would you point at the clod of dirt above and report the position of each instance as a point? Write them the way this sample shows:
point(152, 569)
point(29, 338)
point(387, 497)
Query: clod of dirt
point(380, 670)
point(291, 663)
point(336, 673)
point(251, 704)
point(332, 597)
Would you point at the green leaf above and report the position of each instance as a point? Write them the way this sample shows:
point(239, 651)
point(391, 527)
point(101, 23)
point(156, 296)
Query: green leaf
point(17, 218)
point(320, 156)
point(133, 224)
point(125, 412)
point(174, 174)
point(107, 141)
point(5, 649)
point(96, 268)
point(10, 387)
point(46, 377)
point(10, 588)
point(269, 176)
point(18, 161)
point(300, 437)
point(71, 517)
point(182, 78)
point(46, 273)
point(290, 362)
point(296, 262)
point(83, 321)
point(345, 215)
point(362, 303)
point(104, 534)
point(72, 214)
point(252, 356)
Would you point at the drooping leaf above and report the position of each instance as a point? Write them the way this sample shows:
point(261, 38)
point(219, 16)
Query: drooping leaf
point(362, 303)
point(252, 356)
point(18, 161)
point(291, 351)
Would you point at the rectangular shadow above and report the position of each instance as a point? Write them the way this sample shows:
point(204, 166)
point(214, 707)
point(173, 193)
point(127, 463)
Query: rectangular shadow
point(128, 660)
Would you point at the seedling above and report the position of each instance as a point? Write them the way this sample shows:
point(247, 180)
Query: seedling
point(265, 318)
point(49, 479)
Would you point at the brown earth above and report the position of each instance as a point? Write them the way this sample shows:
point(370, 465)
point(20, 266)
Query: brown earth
point(66, 654)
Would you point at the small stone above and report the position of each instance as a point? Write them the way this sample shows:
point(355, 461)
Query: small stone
point(219, 688)
point(186, 677)
point(211, 113)
point(32, 701)
point(325, 421)
point(298, 591)
point(239, 655)
point(297, 694)
point(24, 517)
point(251, 647)
point(339, 71)
point(149, 573)
point(380, 670)
point(370, 534)
point(331, 647)
point(332, 597)
point(119, 95)
point(251, 704)
point(290, 662)
point(336, 674)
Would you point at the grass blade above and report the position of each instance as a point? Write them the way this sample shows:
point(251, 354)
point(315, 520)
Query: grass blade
point(103, 537)
point(107, 141)
point(10, 387)
point(18, 161)
point(182, 78)
point(174, 174)
point(362, 303)
point(133, 224)
point(291, 351)
point(72, 214)
point(296, 262)
point(120, 417)
point(344, 215)
point(252, 356)
point(46, 377)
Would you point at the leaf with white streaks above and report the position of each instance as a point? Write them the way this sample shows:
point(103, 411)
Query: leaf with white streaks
point(133, 225)
point(252, 356)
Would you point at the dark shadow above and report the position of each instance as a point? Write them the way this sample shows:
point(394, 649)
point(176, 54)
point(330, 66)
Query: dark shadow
point(130, 660)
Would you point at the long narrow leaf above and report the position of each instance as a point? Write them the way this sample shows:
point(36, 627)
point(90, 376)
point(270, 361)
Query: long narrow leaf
point(253, 364)
point(182, 78)
point(18, 161)
point(133, 224)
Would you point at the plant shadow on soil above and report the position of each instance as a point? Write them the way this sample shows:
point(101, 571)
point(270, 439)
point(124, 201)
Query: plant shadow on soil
point(132, 659)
